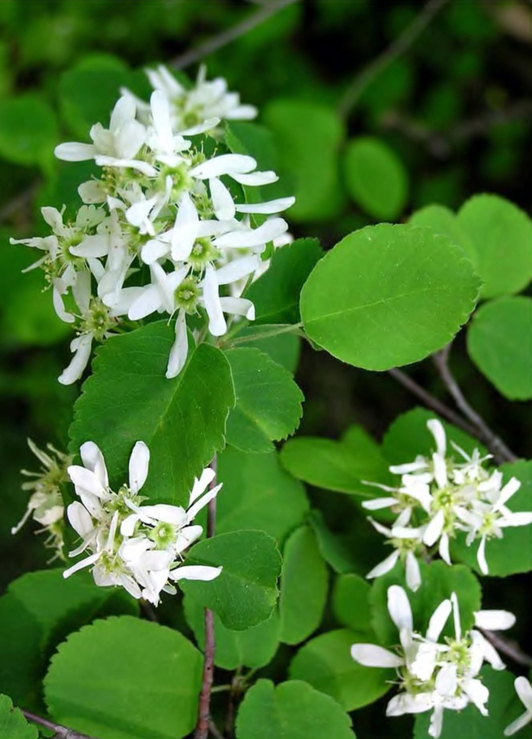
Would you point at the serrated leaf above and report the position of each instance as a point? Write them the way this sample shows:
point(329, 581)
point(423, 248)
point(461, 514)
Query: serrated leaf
point(501, 234)
point(268, 401)
point(350, 602)
point(304, 585)
point(245, 592)
point(291, 710)
point(13, 725)
point(28, 130)
point(124, 678)
point(337, 465)
point(253, 648)
point(276, 293)
point(388, 295)
point(375, 177)
point(499, 342)
point(326, 663)
point(128, 399)
point(258, 494)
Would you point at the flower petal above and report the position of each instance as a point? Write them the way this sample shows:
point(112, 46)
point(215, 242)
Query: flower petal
point(371, 655)
point(139, 462)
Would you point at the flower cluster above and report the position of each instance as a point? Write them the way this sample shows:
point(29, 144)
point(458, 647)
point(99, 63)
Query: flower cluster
point(436, 499)
point(166, 228)
point(436, 674)
point(45, 505)
point(139, 547)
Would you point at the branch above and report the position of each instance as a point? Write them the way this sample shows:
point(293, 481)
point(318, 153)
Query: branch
point(229, 35)
point(60, 732)
point(509, 648)
point(395, 50)
point(19, 201)
point(204, 712)
point(432, 402)
point(501, 453)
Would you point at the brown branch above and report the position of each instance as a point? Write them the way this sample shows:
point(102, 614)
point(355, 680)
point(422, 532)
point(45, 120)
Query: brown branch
point(432, 402)
point(395, 50)
point(228, 36)
point(508, 647)
point(60, 732)
point(501, 453)
point(204, 708)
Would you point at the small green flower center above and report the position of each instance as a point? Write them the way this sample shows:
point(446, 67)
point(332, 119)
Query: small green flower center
point(187, 295)
point(202, 253)
point(164, 534)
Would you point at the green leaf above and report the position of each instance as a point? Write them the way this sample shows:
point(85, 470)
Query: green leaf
point(276, 293)
point(337, 551)
point(13, 725)
point(124, 678)
point(268, 401)
point(128, 399)
point(254, 647)
point(499, 342)
point(258, 494)
point(28, 130)
point(375, 177)
point(350, 602)
point(282, 348)
point(388, 295)
point(513, 553)
point(292, 710)
point(245, 592)
point(304, 584)
point(408, 436)
point(326, 663)
point(504, 707)
point(438, 582)
point(501, 234)
point(308, 137)
point(252, 139)
point(443, 221)
point(337, 465)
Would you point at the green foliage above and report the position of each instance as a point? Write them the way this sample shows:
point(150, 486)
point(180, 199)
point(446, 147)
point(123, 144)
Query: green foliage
point(13, 725)
point(28, 130)
point(258, 494)
point(304, 584)
point(337, 465)
point(282, 348)
point(125, 679)
point(268, 401)
point(128, 399)
point(276, 293)
point(499, 342)
point(308, 137)
point(245, 592)
point(291, 710)
point(376, 178)
point(326, 663)
point(388, 295)
point(252, 648)
point(350, 602)
point(443, 221)
point(501, 235)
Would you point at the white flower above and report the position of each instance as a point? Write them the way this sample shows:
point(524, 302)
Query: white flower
point(524, 691)
point(139, 547)
point(404, 549)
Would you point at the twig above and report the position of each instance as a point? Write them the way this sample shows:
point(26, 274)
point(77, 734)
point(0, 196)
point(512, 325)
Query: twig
point(148, 610)
point(204, 710)
point(501, 452)
point(19, 201)
point(509, 648)
point(230, 35)
point(61, 732)
point(432, 402)
point(398, 47)
point(215, 731)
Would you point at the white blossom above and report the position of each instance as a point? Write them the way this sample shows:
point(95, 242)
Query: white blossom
point(524, 691)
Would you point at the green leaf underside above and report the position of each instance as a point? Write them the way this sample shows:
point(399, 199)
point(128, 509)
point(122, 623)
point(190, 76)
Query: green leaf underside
point(326, 663)
point(504, 707)
point(268, 401)
point(124, 678)
point(499, 342)
point(501, 234)
point(253, 648)
point(375, 177)
point(245, 592)
point(182, 420)
point(13, 725)
point(258, 494)
point(388, 295)
point(337, 465)
point(282, 348)
point(276, 293)
point(304, 584)
point(291, 710)
point(350, 602)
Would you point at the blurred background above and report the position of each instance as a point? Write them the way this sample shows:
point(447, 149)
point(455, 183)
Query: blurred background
point(443, 90)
